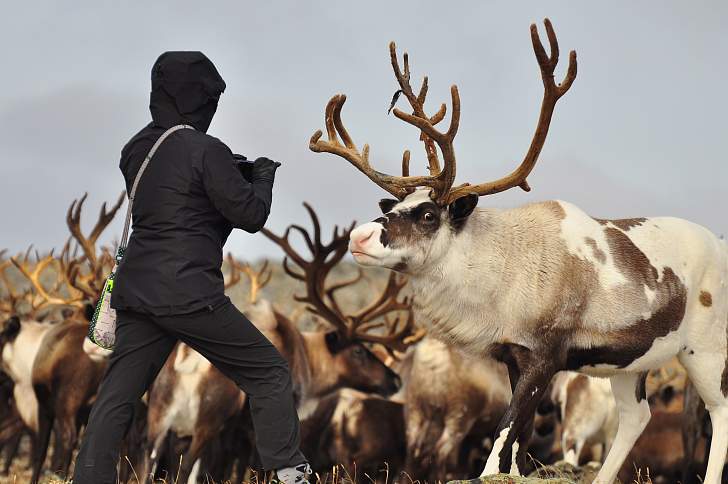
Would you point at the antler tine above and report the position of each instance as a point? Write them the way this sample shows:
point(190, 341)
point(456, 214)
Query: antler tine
point(105, 218)
point(331, 290)
point(73, 220)
point(376, 315)
point(264, 274)
point(399, 337)
point(233, 270)
point(284, 243)
point(256, 284)
point(386, 299)
point(88, 244)
point(552, 93)
point(315, 223)
point(9, 303)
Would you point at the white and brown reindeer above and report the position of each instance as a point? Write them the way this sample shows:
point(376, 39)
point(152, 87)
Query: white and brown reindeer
point(545, 287)
point(588, 415)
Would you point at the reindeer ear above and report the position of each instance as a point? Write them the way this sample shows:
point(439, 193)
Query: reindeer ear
point(334, 341)
point(88, 311)
point(387, 204)
point(10, 329)
point(462, 207)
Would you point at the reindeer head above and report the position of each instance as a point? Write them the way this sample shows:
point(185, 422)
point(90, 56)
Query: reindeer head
point(356, 366)
point(428, 211)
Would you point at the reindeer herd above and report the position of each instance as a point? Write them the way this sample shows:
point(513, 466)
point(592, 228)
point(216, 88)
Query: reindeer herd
point(490, 341)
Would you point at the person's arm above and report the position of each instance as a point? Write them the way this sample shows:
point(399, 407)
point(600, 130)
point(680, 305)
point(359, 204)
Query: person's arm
point(244, 204)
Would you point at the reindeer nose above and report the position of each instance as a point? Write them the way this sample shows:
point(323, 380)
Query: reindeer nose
point(358, 241)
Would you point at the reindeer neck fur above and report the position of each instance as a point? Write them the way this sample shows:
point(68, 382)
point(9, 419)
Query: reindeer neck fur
point(294, 347)
point(322, 377)
point(516, 249)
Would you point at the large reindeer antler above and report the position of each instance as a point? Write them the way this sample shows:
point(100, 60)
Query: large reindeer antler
point(441, 180)
point(90, 280)
point(322, 299)
point(38, 297)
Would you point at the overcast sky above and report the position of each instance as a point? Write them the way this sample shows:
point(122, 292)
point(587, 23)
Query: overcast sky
point(642, 132)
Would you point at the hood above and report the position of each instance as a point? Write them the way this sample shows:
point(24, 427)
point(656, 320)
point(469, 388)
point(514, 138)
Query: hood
point(185, 89)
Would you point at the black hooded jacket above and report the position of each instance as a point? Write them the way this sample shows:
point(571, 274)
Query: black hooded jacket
point(189, 198)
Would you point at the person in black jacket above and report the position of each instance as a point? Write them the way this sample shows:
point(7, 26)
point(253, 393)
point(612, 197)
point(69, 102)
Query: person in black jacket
point(169, 285)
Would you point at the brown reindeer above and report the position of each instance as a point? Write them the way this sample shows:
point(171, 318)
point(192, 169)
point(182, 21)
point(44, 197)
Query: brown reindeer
point(361, 432)
point(66, 368)
point(450, 396)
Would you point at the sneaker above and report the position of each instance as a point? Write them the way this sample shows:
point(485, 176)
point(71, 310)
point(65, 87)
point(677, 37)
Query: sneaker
point(294, 475)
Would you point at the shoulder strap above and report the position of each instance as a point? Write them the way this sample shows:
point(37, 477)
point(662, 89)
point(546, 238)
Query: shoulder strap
point(132, 193)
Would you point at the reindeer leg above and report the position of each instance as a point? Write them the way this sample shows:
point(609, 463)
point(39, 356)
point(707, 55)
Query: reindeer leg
point(634, 413)
point(706, 370)
point(516, 425)
point(190, 461)
point(65, 430)
point(40, 442)
point(11, 450)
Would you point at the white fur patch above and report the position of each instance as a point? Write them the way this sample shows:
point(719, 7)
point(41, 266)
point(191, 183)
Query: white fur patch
point(492, 464)
point(421, 195)
point(17, 361)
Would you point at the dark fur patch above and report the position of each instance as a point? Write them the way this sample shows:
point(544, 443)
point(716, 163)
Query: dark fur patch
point(630, 260)
point(401, 228)
point(640, 390)
point(10, 329)
point(598, 253)
point(387, 204)
point(706, 299)
point(574, 393)
point(556, 208)
point(627, 223)
point(460, 210)
point(400, 267)
point(635, 340)
point(623, 223)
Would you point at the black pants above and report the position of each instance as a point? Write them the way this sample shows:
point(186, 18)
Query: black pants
point(222, 335)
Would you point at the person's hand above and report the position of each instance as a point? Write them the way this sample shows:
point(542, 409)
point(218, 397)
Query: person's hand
point(264, 169)
point(244, 166)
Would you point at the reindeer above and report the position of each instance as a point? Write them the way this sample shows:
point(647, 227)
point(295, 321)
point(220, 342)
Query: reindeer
point(361, 432)
point(450, 396)
point(545, 287)
point(588, 415)
point(56, 372)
